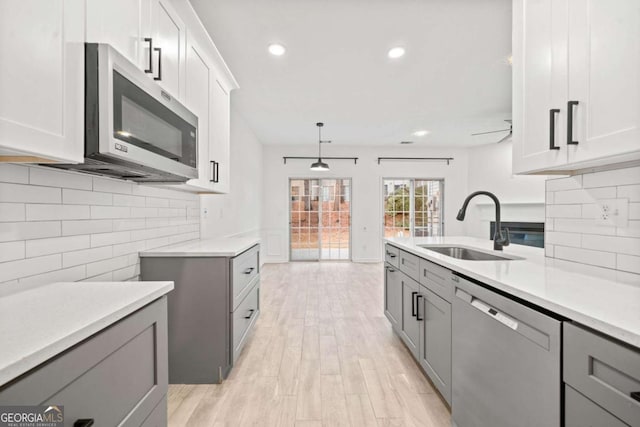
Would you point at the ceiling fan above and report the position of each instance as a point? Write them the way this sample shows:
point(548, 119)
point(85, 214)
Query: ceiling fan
point(504, 138)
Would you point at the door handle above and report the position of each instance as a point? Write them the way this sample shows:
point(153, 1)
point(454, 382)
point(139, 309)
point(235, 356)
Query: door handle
point(249, 270)
point(413, 303)
point(149, 69)
point(570, 106)
point(418, 318)
point(159, 50)
point(552, 128)
point(251, 311)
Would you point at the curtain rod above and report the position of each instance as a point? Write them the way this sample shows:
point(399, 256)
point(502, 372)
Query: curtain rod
point(285, 158)
point(441, 159)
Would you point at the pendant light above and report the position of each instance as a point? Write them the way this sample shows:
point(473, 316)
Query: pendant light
point(320, 165)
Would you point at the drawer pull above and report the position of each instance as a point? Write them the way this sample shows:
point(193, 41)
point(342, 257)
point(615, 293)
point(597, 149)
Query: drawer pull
point(391, 255)
point(635, 395)
point(83, 422)
point(390, 270)
point(251, 311)
point(413, 303)
point(418, 318)
point(249, 270)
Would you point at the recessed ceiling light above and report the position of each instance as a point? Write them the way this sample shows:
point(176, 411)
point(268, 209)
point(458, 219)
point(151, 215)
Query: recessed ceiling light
point(406, 142)
point(277, 49)
point(421, 133)
point(396, 52)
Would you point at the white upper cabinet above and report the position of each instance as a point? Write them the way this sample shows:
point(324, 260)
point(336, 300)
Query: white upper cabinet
point(576, 84)
point(539, 73)
point(604, 66)
point(198, 99)
point(42, 80)
point(168, 33)
point(220, 144)
point(124, 24)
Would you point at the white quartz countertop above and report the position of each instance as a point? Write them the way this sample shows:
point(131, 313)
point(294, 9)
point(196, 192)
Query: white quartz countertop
point(218, 247)
point(605, 300)
point(40, 322)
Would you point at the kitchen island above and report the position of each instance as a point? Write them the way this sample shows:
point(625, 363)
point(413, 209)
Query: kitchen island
point(82, 345)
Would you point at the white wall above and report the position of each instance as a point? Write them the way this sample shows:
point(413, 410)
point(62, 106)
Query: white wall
point(66, 226)
point(366, 178)
point(521, 197)
point(238, 212)
point(572, 232)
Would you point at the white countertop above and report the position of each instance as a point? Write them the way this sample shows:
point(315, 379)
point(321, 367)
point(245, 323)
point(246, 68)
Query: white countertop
point(218, 247)
point(40, 322)
point(579, 292)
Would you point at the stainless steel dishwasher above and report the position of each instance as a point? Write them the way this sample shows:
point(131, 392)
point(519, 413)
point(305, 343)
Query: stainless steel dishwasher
point(505, 361)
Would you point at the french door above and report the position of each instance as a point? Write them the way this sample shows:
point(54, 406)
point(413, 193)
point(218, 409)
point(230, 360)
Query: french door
point(319, 219)
point(413, 207)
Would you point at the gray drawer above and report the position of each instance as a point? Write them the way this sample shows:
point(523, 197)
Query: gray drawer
point(410, 265)
point(581, 412)
point(117, 377)
point(244, 268)
point(392, 255)
point(158, 417)
point(437, 279)
point(603, 370)
point(244, 317)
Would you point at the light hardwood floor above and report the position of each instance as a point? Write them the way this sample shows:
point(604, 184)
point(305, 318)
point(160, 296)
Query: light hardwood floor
point(322, 354)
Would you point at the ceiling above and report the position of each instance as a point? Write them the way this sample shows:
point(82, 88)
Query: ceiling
point(454, 79)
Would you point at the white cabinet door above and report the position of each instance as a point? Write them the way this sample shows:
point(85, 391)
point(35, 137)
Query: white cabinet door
point(604, 77)
point(219, 150)
point(168, 32)
point(124, 24)
point(198, 100)
point(539, 84)
point(42, 80)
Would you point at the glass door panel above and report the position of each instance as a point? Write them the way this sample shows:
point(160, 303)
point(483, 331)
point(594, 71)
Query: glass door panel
point(320, 219)
point(413, 207)
point(428, 207)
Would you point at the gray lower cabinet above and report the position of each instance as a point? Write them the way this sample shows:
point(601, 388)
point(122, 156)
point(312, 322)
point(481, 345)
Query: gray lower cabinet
point(435, 341)
point(604, 372)
point(393, 296)
point(410, 330)
point(212, 310)
point(117, 377)
point(582, 412)
point(420, 312)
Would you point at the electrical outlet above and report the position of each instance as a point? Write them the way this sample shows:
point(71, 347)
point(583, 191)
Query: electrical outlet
point(612, 212)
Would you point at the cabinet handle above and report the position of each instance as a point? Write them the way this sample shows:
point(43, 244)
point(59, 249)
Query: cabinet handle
point(251, 311)
point(83, 422)
point(418, 318)
point(413, 303)
point(149, 40)
point(217, 173)
point(570, 106)
point(390, 270)
point(635, 395)
point(249, 270)
point(552, 128)
point(391, 255)
point(159, 50)
point(213, 170)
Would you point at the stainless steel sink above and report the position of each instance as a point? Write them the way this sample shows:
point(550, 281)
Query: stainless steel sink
point(460, 252)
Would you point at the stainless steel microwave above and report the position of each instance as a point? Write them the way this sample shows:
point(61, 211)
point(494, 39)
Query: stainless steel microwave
point(134, 129)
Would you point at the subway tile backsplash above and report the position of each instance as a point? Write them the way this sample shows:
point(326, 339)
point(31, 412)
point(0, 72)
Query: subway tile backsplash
point(65, 226)
point(572, 230)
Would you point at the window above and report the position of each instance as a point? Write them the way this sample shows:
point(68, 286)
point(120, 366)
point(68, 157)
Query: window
point(413, 207)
